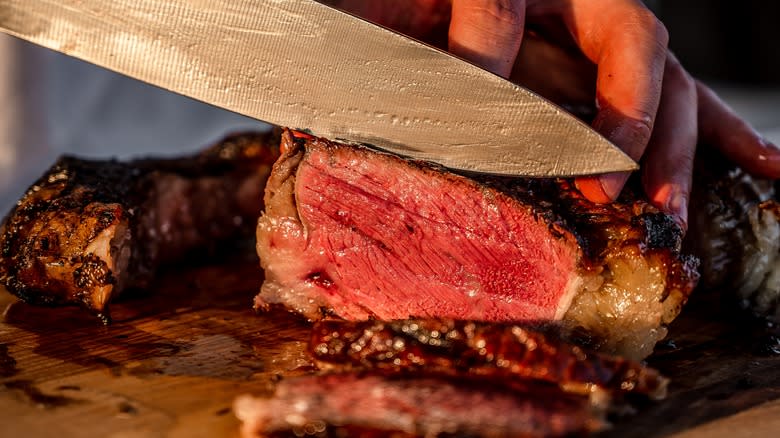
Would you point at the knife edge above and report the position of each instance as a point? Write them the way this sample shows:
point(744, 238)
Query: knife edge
point(283, 77)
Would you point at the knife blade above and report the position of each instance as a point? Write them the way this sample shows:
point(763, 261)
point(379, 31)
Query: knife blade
point(303, 64)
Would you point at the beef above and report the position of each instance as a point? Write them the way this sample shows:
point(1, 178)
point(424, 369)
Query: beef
point(359, 234)
point(504, 352)
point(338, 405)
point(88, 229)
point(735, 230)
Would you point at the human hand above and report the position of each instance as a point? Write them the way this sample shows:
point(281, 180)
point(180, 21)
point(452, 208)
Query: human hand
point(611, 52)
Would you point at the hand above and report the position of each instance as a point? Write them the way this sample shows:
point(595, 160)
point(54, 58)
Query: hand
point(611, 52)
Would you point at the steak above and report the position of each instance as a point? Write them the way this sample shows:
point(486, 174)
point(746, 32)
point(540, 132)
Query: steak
point(355, 233)
point(735, 230)
point(338, 405)
point(504, 352)
point(88, 229)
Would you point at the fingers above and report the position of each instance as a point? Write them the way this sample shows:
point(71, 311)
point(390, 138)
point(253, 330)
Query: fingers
point(566, 78)
point(487, 32)
point(720, 127)
point(628, 44)
point(425, 20)
point(668, 162)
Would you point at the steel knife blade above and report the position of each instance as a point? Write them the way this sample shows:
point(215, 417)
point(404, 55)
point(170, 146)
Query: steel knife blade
point(302, 64)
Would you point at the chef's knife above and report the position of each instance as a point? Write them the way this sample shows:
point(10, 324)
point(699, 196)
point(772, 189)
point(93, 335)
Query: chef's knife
point(302, 64)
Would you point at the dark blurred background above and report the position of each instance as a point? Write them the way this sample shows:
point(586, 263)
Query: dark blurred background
point(725, 41)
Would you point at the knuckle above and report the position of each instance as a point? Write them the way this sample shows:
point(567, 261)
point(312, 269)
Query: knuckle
point(642, 127)
point(508, 13)
point(659, 31)
point(644, 21)
point(512, 11)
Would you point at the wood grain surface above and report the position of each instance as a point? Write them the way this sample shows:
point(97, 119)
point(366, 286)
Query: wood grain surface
point(175, 358)
point(170, 364)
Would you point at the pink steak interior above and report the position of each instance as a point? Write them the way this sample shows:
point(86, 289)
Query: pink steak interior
point(384, 238)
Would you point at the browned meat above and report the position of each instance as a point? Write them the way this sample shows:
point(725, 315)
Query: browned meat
point(339, 405)
point(458, 348)
point(360, 234)
point(735, 229)
point(86, 229)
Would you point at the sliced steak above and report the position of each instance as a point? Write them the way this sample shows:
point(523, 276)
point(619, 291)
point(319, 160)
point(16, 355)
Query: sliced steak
point(359, 234)
point(88, 229)
point(339, 405)
point(505, 352)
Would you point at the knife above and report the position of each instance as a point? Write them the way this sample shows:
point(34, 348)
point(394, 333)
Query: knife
point(306, 65)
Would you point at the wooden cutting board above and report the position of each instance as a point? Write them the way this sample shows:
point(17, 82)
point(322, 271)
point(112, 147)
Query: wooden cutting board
point(175, 358)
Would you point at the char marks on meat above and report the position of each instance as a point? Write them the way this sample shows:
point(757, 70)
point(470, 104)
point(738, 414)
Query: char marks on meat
point(338, 405)
point(504, 352)
point(359, 234)
point(735, 230)
point(88, 229)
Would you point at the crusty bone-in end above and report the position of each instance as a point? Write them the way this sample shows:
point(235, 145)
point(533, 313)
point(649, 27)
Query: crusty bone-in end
point(351, 232)
point(505, 352)
point(338, 405)
point(735, 230)
point(88, 229)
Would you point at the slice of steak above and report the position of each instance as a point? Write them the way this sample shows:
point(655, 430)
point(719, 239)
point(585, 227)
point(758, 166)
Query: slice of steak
point(338, 405)
point(505, 352)
point(351, 232)
point(88, 229)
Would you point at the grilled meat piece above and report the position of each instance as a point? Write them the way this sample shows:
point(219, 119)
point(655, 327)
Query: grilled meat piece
point(505, 352)
point(735, 230)
point(88, 229)
point(359, 234)
point(338, 405)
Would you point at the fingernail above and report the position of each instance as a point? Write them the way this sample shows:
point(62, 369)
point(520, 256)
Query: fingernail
point(771, 153)
point(612, 183)
point(677, 206)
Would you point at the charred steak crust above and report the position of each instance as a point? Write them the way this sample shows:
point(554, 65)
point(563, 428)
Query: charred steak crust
point(504, 352)
point(627, 235)
point(51, 225)
point(88, 228)
point(735, 230)
point(360, 234)
point(605, 229)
